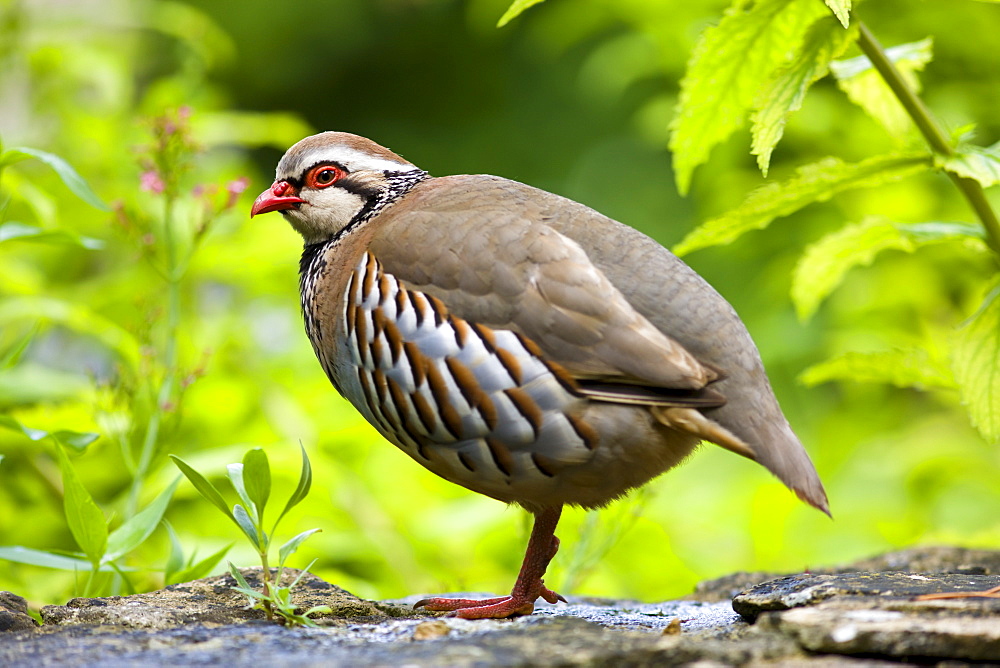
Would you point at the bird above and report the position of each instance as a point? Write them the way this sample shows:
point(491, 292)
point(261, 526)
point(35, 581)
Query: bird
point(518, 343)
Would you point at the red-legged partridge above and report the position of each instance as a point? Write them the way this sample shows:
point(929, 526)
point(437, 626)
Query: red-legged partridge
point(518, 343)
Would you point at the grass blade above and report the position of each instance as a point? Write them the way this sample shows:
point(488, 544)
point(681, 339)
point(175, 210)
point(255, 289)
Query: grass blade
point(69, 176)
point(86, 521)
point(203, 486)
point(137, 529)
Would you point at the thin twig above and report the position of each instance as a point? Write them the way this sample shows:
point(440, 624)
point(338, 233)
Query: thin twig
point(932, 131)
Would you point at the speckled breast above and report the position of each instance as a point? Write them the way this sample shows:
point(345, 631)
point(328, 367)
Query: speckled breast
point(478, 406)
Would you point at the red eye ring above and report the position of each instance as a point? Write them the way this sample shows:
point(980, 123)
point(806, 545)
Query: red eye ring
point(323, 176)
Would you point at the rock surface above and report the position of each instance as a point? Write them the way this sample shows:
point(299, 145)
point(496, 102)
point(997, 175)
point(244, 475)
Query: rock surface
point(861, 615)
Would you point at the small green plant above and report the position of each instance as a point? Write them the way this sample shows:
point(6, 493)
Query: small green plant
point(252, 481)
point(101, 552)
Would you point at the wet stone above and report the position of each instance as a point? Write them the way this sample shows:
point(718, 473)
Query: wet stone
point(842, 617)
point(207, 601)
point(14, 613)
point(796, 591)
point(838, 628)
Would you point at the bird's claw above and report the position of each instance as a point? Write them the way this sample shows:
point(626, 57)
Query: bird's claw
point(490, 608)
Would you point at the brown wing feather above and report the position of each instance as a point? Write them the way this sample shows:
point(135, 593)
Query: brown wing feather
point(643, 395)
point(507, 269)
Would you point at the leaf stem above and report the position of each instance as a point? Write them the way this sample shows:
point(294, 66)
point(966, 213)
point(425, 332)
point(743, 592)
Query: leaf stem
point(166, 388)
point(266, 582)
point(932, 131)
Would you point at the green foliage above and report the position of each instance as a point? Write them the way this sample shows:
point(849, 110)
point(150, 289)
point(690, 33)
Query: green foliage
point(180, 569)
point(824, 263)
point(812, 183)
point(824, 41)
point(515, 10)
point(577, 99)
point(974, 162)
point(884, 83)
point(14, 231)
point(280, 600)
point(975, 361)
point(841, 9)
point(85, 519)
point(748, 47)
point(865, 88)
point(251, 480)
point(100, 549)
point(909, 367)
point(71, 439)
point(66, 172)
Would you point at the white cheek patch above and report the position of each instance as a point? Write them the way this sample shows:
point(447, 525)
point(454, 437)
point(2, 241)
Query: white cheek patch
point(324, 213)
point(336, 205)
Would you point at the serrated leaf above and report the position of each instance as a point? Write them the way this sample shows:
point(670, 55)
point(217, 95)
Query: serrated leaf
point(257, 479)
point(291, 546)
point(75, 440)
point(27, 555)
point(245, 522)
point(727, 67)
point(204, 487)
point(69, 176)
point(976, 363)
point(14, 231)
point(841, 9)
point(902, 367)
point(302, 489)
point(817, 182)
point(866, 88)
point(86, 521)
point(515, 10)
point(134, 531)
point(824, 264)
point(924, 233)
point(974, 162)
point(824, 41)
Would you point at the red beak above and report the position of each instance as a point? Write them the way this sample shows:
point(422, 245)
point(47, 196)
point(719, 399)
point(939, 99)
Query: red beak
point(278, 197)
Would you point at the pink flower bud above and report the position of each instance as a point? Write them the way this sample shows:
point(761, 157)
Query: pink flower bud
point(234, 188)
point(238, 186)
point(151, 182)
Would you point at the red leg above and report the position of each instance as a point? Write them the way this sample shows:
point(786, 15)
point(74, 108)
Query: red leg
point(542, 546)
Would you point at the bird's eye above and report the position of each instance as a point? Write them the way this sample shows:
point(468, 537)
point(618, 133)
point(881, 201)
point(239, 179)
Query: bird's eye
point(324, 176)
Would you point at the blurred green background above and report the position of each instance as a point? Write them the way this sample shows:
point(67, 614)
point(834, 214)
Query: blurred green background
point(574, 96)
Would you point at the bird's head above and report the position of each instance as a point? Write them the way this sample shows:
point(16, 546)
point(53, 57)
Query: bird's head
point(326, 182)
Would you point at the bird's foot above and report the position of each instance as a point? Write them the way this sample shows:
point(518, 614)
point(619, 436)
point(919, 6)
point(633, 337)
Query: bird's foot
point(514, 605)
point(989, 593)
